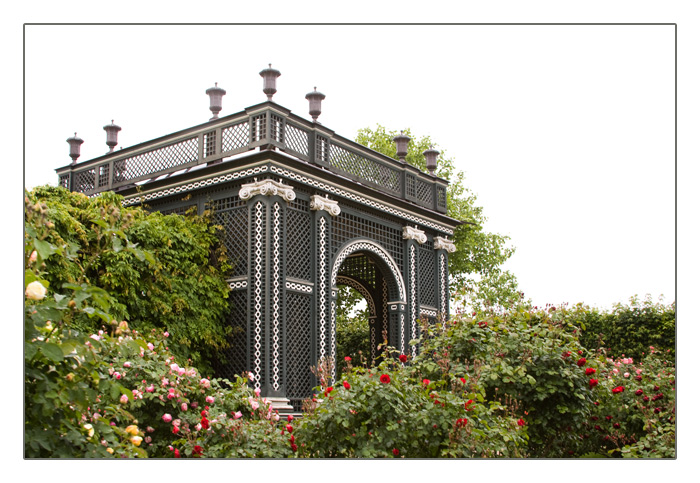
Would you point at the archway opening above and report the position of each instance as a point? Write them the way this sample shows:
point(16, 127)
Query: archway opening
point(352, 326)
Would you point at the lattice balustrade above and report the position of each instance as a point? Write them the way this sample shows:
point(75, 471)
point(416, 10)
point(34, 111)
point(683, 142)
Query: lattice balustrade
point(297, 140)
point(84, 181)
point(63, 180)
point(277, 128)
point(365, 169)
point(158, 160)
point(209, 143)
point(103, 176)
point(427, 272)
point(259, 127)
point(410, 186)
point(424, 192)
point(299, 348)
point(235, 137)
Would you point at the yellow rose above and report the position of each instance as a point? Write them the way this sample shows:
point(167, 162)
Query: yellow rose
point(35, 291)
point(136, 440)
point(133, 429)
point(110, 451)
point(90, 429)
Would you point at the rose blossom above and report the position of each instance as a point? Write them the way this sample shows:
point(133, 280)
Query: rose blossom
point(204, 382)
point(592, 383)
point(150, 346)
point(384, 379)
point(581, 361)
point(626, 374)
point(238, 415)
point(257, 391)
point(589, 371)
point(124, 399)
point(35, 291)
point(251, 376)
point(403, 358)
point(167, 417)
point(32, 257)
point(174, 367)
point(618, 389)
point(183, 406)
point(346, 384)
point(209, 400)
point(150, 388)
point(254, 404)
point(127, 364)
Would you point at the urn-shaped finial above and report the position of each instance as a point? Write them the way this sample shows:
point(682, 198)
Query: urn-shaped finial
point(215, 97)
point(74, 143)
point(315, 99)
point(270, 76)
point(112, 130)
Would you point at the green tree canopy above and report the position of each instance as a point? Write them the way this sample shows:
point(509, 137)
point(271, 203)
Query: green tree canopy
point(476, 267)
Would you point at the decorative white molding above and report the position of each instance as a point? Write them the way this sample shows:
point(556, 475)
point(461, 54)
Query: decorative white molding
point(443, 243)
point(411, 233)
point(258, 294)
point(319, 203)
point(299, 287)
point(413, 301)
point(276, 285)
point(267, 187)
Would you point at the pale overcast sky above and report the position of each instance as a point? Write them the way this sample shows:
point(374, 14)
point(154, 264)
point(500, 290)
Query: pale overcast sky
point(565, 133)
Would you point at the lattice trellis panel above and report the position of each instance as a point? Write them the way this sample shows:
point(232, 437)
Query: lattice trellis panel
point(235, 137)
point(237, 353)
point(365, 169)
point(181, 210)
point(347, 226)
point(63, 180)
point(234, 220)
point(209, 143)
point(297, 140)
point(299, 380)
point(84, 181)
point(277, 128)
point(160, 159)
point(359, 268)
point(259, 127)
point(298, 238)
point(427, 272)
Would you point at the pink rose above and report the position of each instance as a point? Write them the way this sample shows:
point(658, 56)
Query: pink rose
point(183, 406)
point(254, 404)
point(209, 400)
point(204, 383)
point(238, 415)
point(127, 364)
point(257, 391)
point(124, 399)
point(167, 417)
point(250, 376)
point(174, 367)
point(150, 388)
point(150, 346)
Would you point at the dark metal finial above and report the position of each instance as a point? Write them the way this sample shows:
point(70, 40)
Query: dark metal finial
point(112, 130)
point(315, 99)
point(215, 94)
point(74, 143)
point(402, 146)
point(270, 76)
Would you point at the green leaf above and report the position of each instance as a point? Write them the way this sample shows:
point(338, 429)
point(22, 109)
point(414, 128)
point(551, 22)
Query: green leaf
point(52, 351)
point(44, 249)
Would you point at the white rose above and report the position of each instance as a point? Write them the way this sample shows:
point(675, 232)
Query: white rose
point(35, 291)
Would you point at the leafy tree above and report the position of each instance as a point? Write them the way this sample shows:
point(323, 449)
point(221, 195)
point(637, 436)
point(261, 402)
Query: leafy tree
point(477, 263)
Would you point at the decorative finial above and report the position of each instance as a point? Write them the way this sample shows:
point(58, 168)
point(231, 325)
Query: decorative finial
point(431, 159)
point(315, 99)
point(112, 130)
point(402, 146)
point(270, 76)
point(215, 94)
point(74, 143)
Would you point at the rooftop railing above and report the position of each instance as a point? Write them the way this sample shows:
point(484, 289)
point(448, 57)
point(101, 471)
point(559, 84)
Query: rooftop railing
point(266, 124)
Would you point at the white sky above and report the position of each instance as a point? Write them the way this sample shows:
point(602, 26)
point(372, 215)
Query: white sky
point(565, 133)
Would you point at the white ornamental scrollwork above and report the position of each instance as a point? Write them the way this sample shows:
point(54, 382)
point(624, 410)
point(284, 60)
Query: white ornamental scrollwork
point(411, 233)
point(319, 203)
point(267, 187)
point(444, 243)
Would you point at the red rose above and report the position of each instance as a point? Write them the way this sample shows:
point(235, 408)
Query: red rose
point(464, 381)
point(483, 324)
point(566, 354)
point(329, 389)
point(608, 418)
point(598, 427)
point(177, 453)
point(205, 423)
point(291, 439)
point(403, 358)
point(639, 392)
point(395, 451)
point(348, 358)
point(592, 383)
point(289, 428)
point(657, 410)
point(290, 418)
point(639, 378)
point(426, 381)
point(197, 451)
point(521, 422)
point(581, 361)
point(589, 371)
point(618, 389)
point(385, 379)
point(616, 425)
point(175, 429)
point(656, 388)
point(294, 447)
point(346, 384)
point(646, 398)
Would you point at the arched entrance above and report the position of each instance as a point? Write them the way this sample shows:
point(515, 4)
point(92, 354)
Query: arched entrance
point(367, 267)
